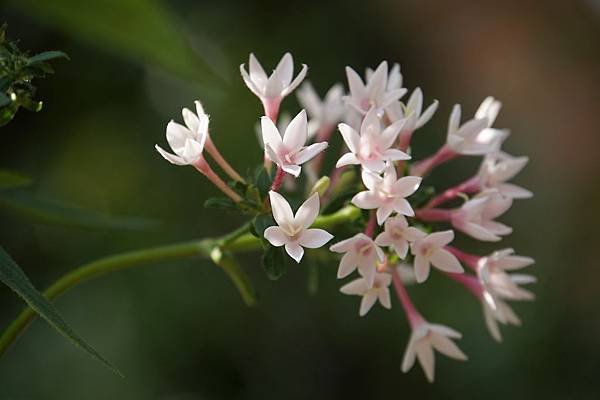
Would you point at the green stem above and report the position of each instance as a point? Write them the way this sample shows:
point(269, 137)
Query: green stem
point(236, 242)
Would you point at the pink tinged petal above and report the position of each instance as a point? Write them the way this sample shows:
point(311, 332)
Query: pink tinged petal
point(454, 120)
point(373, 165)
point(447, 347)
point(409, 356)
point(367, 271)
point(257, 73)
point(367, 302)
point(395, 155)
point(270, 134)
point(384, 239)
point(415, 102)
point(350, 136)
point(492, 324)
point(389, 134)
point(446, 331)
point(510, 263)
point(308, 211)
point(202, 128)
point(441, 239)
point(309, 152)
point(426, 116)
point(378, 81)
point(445, 261)
point(371, 180)
point(285, 69)
point(477, 232)
point(406, 186)
point(249, 83)
point(411, 234)
point(421, 268)
point(271, 155)
point(384, 297)
point(497, 228)
point(173, 159)
point(296, 132)
point(177, 135)
point(392, 96)
point(299, 78)
point(191, 120)
point(295, 251)
point(347, 265)
point(347, 159)
point(357, 287)
point(276, 236)
point(192, 151)
point(366, 200)
point(343, 246)
point(402, 206)
point(401, 248)
point(380, 254)
point(356, 85)
point(282, 212)
point(426, 359)
point(292, 169)
point(308, 99)
point(514, 191)
point(371, 123)
point(383, 213)
point(314, 238)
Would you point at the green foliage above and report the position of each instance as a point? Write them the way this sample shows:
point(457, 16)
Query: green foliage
point(14, 277)
point(275, 262)
point(17, 71)
point(12, 180)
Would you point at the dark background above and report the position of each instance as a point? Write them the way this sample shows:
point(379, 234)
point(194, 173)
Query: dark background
point(179, 330)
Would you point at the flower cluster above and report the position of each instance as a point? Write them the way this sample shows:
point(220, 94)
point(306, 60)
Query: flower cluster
point(402, 223)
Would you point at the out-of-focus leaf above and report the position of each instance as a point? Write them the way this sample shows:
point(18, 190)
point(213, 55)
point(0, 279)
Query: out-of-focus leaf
point(11, 180)
point(140, 29)
point(260, 223)
point(14, 277)
point(47, 56)
point(221, 203)
point(52, 212)
point(274, 262)
point(4, 99)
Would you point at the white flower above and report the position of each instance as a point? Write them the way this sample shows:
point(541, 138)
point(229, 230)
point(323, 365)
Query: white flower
point(372, 148)
point(293, 230)
point(497, 168)
point(274, 88)
point(324, 113)
point(370, 294)
point(492, 273)
point(290, 152)
point(412, 111)
point(476, 216)
point(375, 93)
point(424, 339)
point(386, 194)
point(429, 250)
point(475, 137)
point(187, 142)
point(394, 80)
point(397, 234)
point(500, 312)
point(362, 252)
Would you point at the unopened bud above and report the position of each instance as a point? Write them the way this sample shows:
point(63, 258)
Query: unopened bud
point(321, 186)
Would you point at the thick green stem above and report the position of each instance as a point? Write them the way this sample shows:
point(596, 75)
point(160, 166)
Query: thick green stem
point(219, 250)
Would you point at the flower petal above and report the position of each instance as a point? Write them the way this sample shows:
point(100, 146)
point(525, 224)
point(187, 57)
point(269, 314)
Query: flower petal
point(314, 238)
point(308, 211)
point(282, 212)
point(421, 268)
point(173, 159)
point(367, 302)
point(445, 261)
point(350, 136)
point(270, 134)
point(366, 200)
point(296, 132)
point(276, 236)
point(356, 287)
point(347, 265)
point(295, 251)
point(309, 152)
point(447, 347)
point(347, 159)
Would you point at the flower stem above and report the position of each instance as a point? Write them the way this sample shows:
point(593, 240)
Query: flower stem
point(278, 180)
point(471, 260)
point(237, 242)
point(371, 224)
point(469, 282)
point(216, 155)
point(433, 214)
point(412, 315)
point(469, 186)
point(425, 166)
point(207, 171)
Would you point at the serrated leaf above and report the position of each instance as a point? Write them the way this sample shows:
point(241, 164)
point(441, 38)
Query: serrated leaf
point(52, 212)
point(274, 262)
point(14, 277)
point(47, 56)
point(11, 180)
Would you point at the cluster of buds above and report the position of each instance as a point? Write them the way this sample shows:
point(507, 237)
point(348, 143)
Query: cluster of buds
point(405, 228)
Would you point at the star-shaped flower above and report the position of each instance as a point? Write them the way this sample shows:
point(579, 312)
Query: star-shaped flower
point(397, 234)
point(187, 142)
point(379, 291)
point(360, 252)
point(476, 216)
point(497, 311)
point(326, 113)
point(493, 275)
point(292, 231)
point(429, 250)
point(375, 93)
point(424, 339)
point(412, 111)
point(386, 194)
point(372, 148)
point(290, 152)
point(272, 89)
point(498, 168)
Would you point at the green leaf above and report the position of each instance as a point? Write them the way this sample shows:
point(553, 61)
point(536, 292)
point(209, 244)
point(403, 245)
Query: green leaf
point(260, 223)
point(47, 56)
point(137, 29)
point(4, 100)
point(274, 262)
point(221, 203)
point(264, 180)
point(11, 180)
point(14, 277)
point(52, 212)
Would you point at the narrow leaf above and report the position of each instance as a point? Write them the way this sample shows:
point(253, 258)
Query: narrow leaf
point(14, 277)
point(47, 56)
point(52, 212)
point(11, 180)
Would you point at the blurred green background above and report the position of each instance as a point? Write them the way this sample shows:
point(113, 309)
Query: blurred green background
point(179, 331)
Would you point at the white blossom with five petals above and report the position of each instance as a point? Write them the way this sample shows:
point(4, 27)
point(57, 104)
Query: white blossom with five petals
point(292, 231)
point(325, 113)
point(379, 291)
point(360, 251)
point(476, 216)
point(290, 151)
point(429, 250)
point(387, 194)
point(424, 339)
point(412, 111)
point(397, 234)
point(498, 168)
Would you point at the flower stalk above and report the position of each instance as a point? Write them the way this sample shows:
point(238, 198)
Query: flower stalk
point(216, 155)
